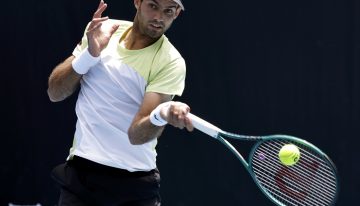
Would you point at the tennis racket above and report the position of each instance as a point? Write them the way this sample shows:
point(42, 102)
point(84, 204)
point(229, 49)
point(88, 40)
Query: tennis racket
point(312, 181)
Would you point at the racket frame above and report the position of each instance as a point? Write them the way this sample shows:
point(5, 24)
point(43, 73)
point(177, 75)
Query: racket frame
point(220, 135)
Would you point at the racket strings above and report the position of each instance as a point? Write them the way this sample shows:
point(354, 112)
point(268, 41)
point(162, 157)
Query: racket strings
point(304, 184)
point(304, 151)
point(278, 194)
point(285, 181)
point(310, 182)
point(300, 187)
point(311, 161)
point(290, 195)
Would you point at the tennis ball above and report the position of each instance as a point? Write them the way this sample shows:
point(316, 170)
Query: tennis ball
point(289, 154)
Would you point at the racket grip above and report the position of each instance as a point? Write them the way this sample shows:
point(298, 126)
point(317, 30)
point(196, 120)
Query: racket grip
point(204, 126)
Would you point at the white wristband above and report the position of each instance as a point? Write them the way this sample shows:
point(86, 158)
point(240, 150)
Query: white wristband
point(82, 63)
point(155, 117)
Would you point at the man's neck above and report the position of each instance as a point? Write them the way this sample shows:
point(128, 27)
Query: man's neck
point(134, 40)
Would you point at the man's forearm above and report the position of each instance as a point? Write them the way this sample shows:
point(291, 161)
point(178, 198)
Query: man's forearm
point(156, 111)
point(63, 81)
point(144, 131)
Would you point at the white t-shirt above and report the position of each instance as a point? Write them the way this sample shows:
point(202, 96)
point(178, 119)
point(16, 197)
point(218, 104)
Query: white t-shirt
point(111, 94)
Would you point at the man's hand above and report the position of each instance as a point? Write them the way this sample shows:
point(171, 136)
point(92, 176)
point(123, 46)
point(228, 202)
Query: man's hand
point(99, 37)
point(142, 130)
point(176, 115)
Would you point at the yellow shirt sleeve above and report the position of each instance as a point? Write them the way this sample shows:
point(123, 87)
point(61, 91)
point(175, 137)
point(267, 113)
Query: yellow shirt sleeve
point(170, 79)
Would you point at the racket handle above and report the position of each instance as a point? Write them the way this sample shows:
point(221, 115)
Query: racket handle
point(204, 126)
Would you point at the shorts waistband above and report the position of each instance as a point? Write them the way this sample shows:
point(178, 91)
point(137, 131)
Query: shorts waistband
point(82, 163)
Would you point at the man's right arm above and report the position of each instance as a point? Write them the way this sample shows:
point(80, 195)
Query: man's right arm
point(63, 81)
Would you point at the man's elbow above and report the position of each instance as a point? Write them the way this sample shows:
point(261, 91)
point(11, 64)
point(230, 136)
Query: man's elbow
point(53, 97)
point(135, 141)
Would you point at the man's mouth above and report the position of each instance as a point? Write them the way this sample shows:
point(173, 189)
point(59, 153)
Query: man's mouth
point(156, 26)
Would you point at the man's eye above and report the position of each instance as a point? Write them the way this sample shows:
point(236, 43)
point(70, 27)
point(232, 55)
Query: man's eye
point(153, 6)
point(169, 11)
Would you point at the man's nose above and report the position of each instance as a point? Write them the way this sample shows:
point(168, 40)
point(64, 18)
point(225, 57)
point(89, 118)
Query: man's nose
point(159, 16)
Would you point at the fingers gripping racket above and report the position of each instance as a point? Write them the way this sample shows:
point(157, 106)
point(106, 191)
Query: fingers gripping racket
point(312, 181)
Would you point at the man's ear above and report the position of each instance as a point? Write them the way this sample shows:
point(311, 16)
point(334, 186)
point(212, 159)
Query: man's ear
point(137, 3)
point(177, 12)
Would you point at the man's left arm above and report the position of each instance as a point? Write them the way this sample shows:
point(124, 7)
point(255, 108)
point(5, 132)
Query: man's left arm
point(142, 130)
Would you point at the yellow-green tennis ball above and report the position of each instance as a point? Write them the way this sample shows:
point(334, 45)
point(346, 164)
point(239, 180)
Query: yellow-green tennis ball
point(289, 154)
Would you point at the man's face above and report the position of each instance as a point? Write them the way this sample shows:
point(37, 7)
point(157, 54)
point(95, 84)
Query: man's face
point(156, 16)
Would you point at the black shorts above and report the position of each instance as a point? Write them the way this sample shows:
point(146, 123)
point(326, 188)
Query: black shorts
point(84, 182)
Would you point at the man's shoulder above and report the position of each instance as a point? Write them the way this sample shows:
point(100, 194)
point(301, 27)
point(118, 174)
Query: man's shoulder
point(123, 26)
point(167, 56)
point(168, 48)
point(120, 21)
point(123, 23)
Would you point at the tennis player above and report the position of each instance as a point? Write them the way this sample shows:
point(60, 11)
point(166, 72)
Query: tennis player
point(128, 74)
